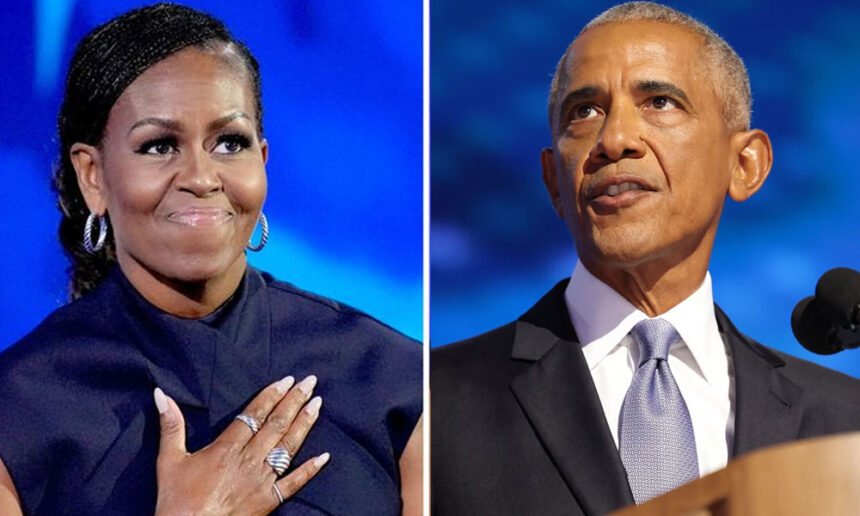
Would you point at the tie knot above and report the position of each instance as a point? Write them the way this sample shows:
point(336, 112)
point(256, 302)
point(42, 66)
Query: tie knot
point(654, 337)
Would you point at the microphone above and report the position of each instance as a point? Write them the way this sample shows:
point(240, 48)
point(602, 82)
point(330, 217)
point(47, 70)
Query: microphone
point(812, 329)
point(838, 292)
point(829, 322)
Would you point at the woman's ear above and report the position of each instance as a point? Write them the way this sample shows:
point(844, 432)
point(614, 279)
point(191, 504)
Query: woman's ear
point(264, 149)
point(87, 161)
point(753, 158)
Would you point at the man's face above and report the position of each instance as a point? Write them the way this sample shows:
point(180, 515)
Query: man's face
point(641, 158)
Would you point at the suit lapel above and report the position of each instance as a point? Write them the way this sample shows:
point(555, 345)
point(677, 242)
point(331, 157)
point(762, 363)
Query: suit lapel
point(768, 406)
point(560, 402)
point(562, 406)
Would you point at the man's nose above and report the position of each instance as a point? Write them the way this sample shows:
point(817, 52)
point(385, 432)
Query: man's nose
point(200, 174)
point(620, 136)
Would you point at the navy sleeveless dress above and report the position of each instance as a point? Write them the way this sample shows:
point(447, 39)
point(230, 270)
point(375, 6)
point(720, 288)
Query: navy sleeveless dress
point(79, 430)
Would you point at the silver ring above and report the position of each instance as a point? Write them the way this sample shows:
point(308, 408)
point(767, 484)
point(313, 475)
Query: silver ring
point(278, 493)
point(279, 458)
point(251, 422)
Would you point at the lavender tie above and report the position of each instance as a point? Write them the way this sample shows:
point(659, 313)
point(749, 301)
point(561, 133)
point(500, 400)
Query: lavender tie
point(656, 438)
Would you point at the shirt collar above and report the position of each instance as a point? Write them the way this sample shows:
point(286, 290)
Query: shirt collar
point(602, 318)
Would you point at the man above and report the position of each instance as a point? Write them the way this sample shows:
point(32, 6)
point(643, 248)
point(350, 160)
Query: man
point(574, 408)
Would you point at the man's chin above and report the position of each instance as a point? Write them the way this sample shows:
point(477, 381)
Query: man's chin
point(621, 251)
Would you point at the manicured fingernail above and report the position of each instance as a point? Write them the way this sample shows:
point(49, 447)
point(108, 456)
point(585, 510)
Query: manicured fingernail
point(307, 385)
point(322, 459)
point(313, 406)
point(284, 384)
point(160, 400)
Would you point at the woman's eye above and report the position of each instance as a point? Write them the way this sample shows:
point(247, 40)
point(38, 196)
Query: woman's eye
point(232, 144)
point(158, 147)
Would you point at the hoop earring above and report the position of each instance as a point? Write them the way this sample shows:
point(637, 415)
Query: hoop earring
point(88, 233)
point(264, 234)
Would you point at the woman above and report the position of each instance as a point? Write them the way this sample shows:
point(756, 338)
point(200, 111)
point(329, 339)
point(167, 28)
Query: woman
point(161, 182)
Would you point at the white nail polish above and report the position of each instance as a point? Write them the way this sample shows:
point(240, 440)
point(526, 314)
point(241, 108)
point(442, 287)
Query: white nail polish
point(160, 400)
point(284, 384)
point(313, 406)
point(322, 459)
point(307, 385)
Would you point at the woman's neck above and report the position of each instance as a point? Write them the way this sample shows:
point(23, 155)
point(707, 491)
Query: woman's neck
point(187, 299)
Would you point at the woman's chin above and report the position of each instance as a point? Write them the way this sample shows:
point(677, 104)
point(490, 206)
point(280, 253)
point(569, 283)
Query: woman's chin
point(207, 268)
point(193, 268)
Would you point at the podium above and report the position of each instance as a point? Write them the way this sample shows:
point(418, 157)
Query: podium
point(814, 476)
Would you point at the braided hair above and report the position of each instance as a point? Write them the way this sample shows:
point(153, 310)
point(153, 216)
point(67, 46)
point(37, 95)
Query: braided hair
point(104, 64)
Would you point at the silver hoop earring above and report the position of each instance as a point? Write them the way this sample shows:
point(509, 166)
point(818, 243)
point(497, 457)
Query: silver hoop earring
point(264, 234)
point(88, 233)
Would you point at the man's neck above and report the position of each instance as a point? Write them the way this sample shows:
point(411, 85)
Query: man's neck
point(653, 287)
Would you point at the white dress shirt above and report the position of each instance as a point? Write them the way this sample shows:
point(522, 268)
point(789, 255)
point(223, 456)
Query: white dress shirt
point(699, 362)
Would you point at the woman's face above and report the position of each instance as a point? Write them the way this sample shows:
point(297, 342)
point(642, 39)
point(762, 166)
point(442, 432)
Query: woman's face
point(181, 170)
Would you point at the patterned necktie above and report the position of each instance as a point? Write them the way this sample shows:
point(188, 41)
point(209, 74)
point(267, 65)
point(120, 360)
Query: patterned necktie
point(656, 438)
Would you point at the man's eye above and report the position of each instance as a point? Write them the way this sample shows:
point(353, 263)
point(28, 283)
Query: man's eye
point(663, 103)
point(584, 111)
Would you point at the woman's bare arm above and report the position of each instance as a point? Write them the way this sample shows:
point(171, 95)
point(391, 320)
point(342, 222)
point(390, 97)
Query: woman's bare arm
point(9, 503)
point(412, 472)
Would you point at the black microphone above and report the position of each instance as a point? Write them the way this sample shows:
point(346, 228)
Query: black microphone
point(838, 294)
point(812, 329)
point(830, 321)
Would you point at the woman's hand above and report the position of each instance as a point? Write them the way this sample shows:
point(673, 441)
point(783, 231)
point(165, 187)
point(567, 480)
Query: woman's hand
point(231, 475)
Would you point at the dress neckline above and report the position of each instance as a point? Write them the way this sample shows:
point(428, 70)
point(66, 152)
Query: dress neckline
point(213, 363)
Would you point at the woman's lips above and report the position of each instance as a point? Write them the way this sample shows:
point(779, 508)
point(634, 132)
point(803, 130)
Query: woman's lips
point(200, 216)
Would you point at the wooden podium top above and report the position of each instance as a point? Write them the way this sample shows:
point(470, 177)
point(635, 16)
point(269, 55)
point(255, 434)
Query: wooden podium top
point(810, 477)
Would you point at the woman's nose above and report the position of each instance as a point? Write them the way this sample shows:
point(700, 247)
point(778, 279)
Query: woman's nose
point(199, 175)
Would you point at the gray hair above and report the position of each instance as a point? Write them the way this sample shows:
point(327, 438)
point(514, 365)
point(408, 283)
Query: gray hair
point(731, 78)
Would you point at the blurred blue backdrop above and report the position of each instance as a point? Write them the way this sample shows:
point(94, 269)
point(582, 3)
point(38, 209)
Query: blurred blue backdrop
point(342, 89)
point(496, 245)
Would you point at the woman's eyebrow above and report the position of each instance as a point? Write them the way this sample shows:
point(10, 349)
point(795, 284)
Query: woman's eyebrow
point(224, 120)
point(174, 125)
point(166, 123)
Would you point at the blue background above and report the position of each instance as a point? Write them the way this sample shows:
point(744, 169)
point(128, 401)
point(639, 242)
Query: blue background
point(342, 91)
point(496, 245)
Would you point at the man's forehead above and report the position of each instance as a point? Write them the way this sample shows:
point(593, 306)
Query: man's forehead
point(646, 47)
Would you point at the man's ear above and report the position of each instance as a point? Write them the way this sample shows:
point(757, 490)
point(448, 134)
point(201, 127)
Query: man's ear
point(550, 180)
point(87, 161)
point(753, 159)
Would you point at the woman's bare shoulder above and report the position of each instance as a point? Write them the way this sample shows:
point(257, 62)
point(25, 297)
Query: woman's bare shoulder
point(9, 503)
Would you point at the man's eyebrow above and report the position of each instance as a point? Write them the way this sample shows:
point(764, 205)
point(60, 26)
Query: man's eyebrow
point(662, 88)
point(578, 95)
point(166, 123)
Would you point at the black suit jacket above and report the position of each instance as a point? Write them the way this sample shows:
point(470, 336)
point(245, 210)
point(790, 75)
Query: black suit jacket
point(517, 426)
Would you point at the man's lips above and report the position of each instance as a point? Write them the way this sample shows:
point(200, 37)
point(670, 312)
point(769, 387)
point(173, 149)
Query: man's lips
point(200, 216)
point(616, 185)
point(617, 191)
